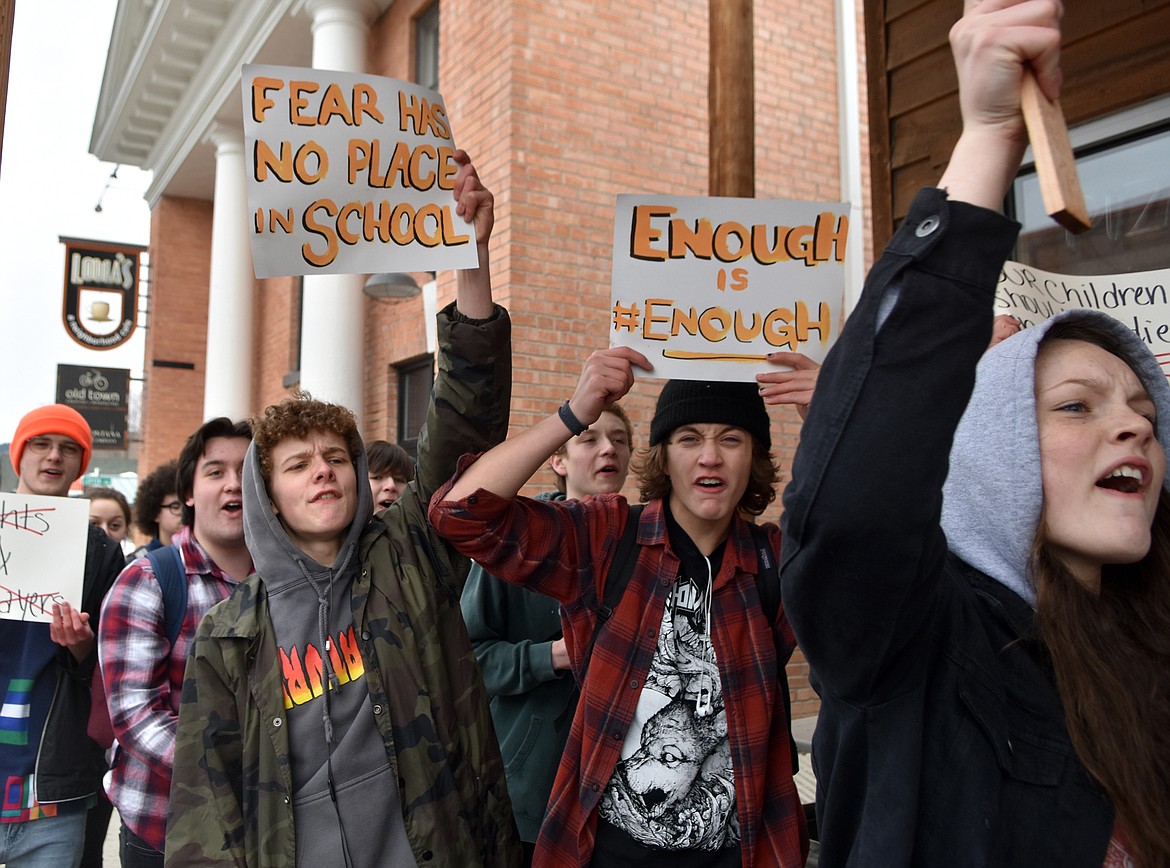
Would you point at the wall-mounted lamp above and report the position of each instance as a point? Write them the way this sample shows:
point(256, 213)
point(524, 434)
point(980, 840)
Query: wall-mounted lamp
point(394, 284)
point(102, 195)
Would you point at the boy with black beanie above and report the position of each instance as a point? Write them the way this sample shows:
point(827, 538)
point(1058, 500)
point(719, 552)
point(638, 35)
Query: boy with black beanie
point(679, 753)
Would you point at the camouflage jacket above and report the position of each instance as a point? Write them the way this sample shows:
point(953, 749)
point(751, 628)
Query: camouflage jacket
point(231, 791)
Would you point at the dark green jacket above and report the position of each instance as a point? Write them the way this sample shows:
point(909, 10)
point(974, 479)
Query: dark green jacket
point(512, 630)
point(231, 791)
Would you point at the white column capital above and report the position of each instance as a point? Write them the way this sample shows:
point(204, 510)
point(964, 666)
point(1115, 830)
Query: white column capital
point(227, 138)
point(355, 11)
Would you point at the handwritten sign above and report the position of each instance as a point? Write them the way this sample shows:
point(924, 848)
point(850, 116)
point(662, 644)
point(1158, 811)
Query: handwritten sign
point(42, 554)
point(1138, 300)
point(706, 287)
point(349, 174)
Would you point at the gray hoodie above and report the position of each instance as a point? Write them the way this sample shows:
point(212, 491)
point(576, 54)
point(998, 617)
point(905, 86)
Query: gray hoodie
point(993, 496)
point(334, 734)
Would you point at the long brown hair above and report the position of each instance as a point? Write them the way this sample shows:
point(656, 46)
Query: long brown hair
point(649, 465)
point(1111, 657)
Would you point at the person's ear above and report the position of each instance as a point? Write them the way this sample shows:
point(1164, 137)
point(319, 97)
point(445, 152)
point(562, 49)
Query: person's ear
point(557, 463)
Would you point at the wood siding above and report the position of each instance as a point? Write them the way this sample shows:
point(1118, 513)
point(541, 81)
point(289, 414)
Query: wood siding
point(1115, 55)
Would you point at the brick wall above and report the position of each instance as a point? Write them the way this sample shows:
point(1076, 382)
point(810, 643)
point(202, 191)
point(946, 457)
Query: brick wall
point(563, 106)
point(180, 261)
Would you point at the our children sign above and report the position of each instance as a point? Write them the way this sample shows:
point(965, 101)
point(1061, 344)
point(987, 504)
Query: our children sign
point(42, 554)
point(707, 287)
point(349, 174)
point(1138, 300)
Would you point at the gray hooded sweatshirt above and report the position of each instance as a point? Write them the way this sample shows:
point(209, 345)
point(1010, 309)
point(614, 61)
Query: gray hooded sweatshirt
point(993, 495)
point(345, 794)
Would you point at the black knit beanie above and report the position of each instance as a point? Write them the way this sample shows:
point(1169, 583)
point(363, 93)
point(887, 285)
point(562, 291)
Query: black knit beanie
point(686, 402)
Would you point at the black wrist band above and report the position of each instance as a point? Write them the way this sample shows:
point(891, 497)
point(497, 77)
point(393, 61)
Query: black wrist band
point(571, 421)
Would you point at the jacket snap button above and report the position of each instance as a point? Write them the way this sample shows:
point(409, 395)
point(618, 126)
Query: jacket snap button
point(276, 721)
point(633, 684)
point(427, 855)
point(927, 226)
point(473, 500)
point(377, 709)
point(365, 635)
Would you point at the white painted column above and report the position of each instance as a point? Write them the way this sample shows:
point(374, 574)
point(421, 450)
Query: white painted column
point(849, 147)
point(333, 307)
point(227, 388)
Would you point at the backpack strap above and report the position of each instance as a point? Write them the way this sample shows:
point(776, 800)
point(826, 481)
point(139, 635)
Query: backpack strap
point(621, 569)
point(768, 590)
point(171, 575)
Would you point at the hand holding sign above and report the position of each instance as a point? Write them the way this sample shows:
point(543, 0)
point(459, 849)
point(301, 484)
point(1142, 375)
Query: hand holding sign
point(994, 43)
point(794, 385)
point(607, 376)
point(474, 203)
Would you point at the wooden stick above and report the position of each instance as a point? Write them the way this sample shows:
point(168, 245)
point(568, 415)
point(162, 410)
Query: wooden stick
point(1060, 186)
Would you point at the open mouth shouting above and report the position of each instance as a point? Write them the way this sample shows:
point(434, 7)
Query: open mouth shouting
point(1127, 478)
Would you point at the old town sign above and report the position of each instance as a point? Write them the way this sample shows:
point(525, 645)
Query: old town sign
point(100, 309)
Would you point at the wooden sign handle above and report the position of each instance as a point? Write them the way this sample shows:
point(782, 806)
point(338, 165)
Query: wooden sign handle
point(1060, 186)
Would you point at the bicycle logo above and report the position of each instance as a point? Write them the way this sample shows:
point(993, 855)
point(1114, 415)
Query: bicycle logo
point(95, 380)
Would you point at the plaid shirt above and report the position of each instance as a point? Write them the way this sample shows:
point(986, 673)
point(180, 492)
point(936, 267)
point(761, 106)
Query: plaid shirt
point(144, 681)
point(564, 549)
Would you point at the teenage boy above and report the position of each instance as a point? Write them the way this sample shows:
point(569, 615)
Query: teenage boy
point(158, 511)
point(142, 669)
point(333, 713)
point(391, 468)
point(679, 753)
point(50, 768)
point(517, 635)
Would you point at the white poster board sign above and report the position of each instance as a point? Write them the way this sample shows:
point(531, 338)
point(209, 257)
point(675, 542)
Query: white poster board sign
point(706, 287)
point(42, 554)
point(1138, 300)
point(349, 174)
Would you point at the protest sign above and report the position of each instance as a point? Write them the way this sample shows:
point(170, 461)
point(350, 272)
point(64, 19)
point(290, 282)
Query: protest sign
point(42, 554)
point(706, 287)
point(349, 174)
point(1138, 300)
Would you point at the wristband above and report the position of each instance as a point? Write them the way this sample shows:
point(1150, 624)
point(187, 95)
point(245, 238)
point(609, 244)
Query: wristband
point(571, 421)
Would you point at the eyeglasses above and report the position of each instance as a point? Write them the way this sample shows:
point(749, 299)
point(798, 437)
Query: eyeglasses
point(43, 446)
point(174, 507)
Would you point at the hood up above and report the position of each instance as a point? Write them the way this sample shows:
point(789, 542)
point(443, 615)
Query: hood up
point(993, 494)
point(278, 561)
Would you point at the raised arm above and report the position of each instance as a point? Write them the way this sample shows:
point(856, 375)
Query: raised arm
point(863, 553)
point(474, 202)
point(472, 394)
point(606, 378)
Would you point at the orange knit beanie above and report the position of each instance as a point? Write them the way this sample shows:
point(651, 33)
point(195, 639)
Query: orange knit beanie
point(53, 419)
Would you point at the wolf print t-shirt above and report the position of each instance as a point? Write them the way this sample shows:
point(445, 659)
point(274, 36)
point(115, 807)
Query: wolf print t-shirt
point(674, 788)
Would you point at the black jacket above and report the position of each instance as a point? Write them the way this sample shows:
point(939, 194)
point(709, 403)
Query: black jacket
point(941, 739)
point(70, 764)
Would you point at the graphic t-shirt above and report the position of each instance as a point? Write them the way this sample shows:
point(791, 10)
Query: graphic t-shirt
point(1118, 855)
point(674, 788)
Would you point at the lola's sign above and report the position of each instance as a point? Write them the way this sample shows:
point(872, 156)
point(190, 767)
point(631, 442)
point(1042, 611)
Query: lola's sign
point(100, 307)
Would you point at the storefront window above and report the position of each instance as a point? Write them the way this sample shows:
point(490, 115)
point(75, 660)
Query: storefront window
point(1125, 176)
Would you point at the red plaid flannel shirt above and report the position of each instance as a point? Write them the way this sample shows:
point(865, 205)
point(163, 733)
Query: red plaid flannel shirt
point(564, 549)
point(144, 680)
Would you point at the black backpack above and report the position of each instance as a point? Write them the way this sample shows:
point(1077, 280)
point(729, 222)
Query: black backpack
point(767, 587)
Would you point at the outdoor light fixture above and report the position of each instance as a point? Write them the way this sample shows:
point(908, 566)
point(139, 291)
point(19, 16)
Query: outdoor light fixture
point(394, 284)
